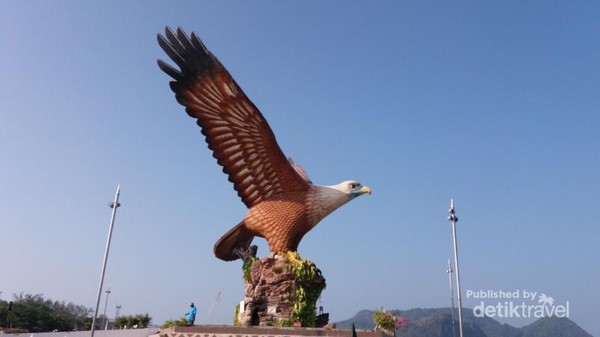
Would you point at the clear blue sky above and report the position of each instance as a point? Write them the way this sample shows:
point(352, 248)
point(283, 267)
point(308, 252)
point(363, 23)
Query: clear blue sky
point(494, 104)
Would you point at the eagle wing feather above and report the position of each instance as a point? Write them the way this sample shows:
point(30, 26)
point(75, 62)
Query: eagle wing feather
point(239, 136)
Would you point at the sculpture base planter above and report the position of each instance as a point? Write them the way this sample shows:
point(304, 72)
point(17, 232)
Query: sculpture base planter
point(281, 290)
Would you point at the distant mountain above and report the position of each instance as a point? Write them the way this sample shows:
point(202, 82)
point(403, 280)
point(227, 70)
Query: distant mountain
point(438, 326)
point(438, 323)
point(555, 327)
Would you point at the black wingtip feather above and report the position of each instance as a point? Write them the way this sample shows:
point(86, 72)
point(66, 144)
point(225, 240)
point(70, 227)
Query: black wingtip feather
point(187, 51)
point(184, 39)
point(174, 73)
point(168, 48)
point(198, 43)
point(170, 35)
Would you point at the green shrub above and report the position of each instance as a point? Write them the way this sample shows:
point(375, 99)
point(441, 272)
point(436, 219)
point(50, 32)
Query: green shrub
point(308, 291)
point(171, 323)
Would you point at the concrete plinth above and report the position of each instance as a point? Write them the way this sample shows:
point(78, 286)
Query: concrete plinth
point(230, 331)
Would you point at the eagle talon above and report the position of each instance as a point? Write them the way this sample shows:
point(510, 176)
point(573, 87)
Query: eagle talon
point(245, 254)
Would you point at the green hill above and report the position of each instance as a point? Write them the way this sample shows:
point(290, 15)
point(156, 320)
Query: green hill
point(554, 327)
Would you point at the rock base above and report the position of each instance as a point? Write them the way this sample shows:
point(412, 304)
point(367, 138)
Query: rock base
point(280, 294)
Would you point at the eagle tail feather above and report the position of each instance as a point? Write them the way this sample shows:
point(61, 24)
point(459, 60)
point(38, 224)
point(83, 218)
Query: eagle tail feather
point(236, 240)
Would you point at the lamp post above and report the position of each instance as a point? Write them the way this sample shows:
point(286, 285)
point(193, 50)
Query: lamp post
point(454, 219)
point(449, 271)
point(105, 305)
point(114, 205)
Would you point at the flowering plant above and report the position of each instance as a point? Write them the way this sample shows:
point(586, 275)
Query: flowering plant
point(401, 322)
point(387, 322)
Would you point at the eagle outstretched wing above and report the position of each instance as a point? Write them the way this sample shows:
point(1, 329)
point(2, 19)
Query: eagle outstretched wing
point(235, 130)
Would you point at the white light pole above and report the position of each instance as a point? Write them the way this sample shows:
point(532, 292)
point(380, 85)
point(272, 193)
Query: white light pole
point(114, 205)
point(454, 219)
point(449, 271)
point(105, 305)
point(118, 310)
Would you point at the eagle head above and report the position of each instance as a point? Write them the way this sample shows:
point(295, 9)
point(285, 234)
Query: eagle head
point(352, 188)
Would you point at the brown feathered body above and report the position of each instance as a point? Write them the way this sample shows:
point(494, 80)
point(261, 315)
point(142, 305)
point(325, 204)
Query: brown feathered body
point(284, 219)
point(283, 204)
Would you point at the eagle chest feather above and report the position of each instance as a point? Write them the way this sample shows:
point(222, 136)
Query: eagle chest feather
point(285, 219)
point(281, 220)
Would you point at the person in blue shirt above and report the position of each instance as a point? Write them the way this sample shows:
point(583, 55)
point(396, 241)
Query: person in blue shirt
point(191, 315)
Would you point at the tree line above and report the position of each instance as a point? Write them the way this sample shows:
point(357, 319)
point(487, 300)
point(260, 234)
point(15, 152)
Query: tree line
point(34, 313)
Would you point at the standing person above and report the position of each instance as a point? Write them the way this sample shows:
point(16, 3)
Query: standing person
point(191, 315)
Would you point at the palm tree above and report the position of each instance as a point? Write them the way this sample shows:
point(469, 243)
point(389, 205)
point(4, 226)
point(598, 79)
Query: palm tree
point(142, 320)
point(121, 322)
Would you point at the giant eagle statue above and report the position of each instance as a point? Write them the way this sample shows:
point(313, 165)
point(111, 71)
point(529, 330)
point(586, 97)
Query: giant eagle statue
point(283, 204)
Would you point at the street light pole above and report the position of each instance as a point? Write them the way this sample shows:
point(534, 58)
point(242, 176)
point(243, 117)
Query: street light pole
point(114, 205)
point(449, 271)
point(454, 219)
point(105, 305)
point(118, 310)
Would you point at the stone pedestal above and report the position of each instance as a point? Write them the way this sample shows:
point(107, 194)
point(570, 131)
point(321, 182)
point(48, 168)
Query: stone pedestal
point(229, 331)
point(281, 291)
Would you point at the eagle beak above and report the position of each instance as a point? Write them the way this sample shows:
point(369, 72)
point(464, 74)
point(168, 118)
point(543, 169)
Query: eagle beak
point(364, 190)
